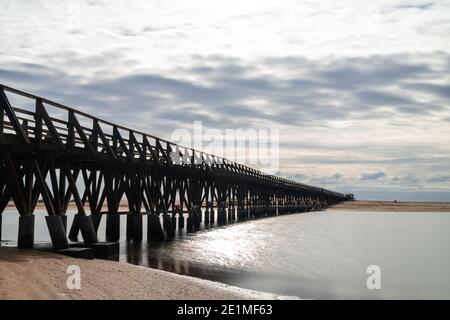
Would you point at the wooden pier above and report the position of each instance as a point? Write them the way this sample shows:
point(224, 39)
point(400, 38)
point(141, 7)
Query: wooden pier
point(57, 154)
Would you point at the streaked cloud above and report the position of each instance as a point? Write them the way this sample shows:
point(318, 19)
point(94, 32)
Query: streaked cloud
point(356, 89)
point(373, 175)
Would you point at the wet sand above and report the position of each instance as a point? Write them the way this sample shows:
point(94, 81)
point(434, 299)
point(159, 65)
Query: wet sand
point(28, 274)
point(391, 206)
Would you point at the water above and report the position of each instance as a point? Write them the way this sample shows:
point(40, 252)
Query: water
point(310, 255)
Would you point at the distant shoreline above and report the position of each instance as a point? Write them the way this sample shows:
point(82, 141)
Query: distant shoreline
point(391, 206)
point(357, 205)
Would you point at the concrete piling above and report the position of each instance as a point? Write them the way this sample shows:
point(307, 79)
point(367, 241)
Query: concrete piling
point(206, 217)
point(154, 229)
point(87, 228)
point(64, 221)
point(84, 224)
point(180, 220)
point(25, 239)
point(212, 216)
point(168, 226)
point(242, 214)
point(221, 216)
point(174, 221)
point(196, 220)
point(74, 229)
point(134, 226)
point(96, 219)
point(55, 225)
point(112, 227)
point(189, 223)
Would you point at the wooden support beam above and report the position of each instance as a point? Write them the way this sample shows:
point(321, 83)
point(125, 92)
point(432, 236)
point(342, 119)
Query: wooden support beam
point(98, 130)
point(124, 148)
point(55, 187)
point(6, 107)
point(43, 188)
point(13, 183)
point(73, 122)
point(68, 192)
point(5, 197)
point(135, 143)
point(41, 112)
point(74, 189)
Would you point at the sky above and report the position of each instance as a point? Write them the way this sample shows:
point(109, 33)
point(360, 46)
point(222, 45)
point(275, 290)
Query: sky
point(359, 90)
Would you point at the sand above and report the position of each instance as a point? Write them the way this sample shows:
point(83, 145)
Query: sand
point(28, 274)
point(391, 206)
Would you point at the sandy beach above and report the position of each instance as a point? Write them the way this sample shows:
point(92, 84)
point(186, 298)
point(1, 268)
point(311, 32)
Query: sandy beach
point(391, 206)
point(28, 274)
point(357, 205)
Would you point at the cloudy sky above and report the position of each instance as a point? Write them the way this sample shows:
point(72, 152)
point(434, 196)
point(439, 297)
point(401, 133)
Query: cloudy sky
point(358, 89)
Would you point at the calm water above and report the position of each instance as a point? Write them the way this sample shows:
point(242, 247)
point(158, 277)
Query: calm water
point(310, 255)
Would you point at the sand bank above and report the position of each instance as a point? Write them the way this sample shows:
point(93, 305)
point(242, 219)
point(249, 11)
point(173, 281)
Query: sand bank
point(366, 205)
point(28, 274)
point(358, 205)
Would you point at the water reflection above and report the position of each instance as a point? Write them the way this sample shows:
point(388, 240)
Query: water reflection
point(319, 255)
point(134, 252)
